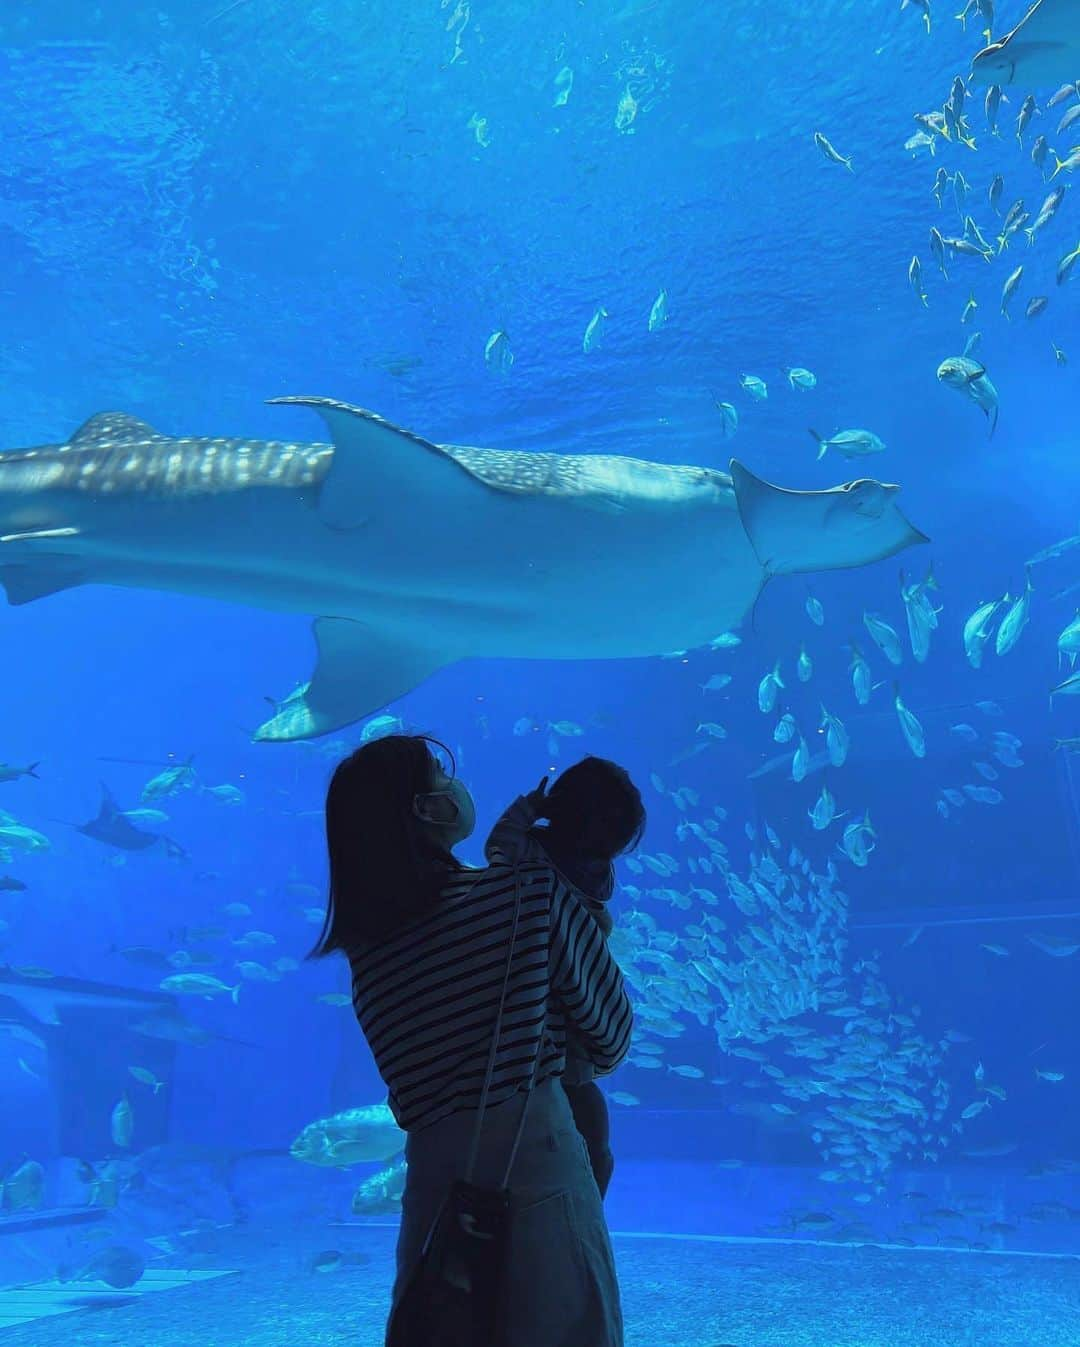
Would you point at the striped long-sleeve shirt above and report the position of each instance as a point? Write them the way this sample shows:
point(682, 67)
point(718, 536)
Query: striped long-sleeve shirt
point(427, 997)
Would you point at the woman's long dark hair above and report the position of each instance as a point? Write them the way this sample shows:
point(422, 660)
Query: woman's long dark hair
point(384, 868)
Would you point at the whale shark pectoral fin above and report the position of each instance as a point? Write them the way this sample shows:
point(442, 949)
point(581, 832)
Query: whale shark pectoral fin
point(24, 584)
point(844, 526)
point(358, 671)
point(378, 468)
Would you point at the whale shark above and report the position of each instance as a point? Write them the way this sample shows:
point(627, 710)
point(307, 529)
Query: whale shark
point(412, 555)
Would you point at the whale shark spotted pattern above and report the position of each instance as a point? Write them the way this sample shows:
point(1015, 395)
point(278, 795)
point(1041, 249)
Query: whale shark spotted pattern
point(412, 555)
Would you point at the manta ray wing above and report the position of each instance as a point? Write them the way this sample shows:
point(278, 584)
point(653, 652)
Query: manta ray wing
point(1043, 48)
point(797, 531)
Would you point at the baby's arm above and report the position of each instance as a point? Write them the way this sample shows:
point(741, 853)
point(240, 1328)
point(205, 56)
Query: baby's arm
point(509, 841)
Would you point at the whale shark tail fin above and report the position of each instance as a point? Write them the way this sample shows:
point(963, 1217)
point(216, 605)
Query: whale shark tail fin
point(844, 526)
point(359, 671)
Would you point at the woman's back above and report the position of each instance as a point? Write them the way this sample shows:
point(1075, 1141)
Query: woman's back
point(428, 996)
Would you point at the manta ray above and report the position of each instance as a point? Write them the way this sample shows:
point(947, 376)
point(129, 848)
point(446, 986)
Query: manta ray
point(412, 555)
point(1043, 48)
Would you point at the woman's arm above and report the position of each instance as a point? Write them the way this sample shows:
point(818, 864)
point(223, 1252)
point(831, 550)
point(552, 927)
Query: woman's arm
point(588, 981)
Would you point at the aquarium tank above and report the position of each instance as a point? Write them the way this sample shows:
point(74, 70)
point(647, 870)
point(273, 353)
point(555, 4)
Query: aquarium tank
point(691, 386)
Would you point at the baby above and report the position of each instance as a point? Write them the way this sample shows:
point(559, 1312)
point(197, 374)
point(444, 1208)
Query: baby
point(594, 813)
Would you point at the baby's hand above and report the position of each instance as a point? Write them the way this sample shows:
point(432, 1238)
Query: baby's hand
point(537, 798)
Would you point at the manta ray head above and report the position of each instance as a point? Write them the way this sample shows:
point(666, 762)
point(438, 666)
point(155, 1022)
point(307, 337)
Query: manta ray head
point(993, 65)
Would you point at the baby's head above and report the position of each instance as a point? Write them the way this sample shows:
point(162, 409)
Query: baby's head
point(594, 811)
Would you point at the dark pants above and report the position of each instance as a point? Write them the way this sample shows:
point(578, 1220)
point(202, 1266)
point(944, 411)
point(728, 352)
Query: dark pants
point(589, 1107)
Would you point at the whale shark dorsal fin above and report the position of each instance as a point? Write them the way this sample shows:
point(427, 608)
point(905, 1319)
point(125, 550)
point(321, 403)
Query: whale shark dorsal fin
point(377, 465)
point(108, 428)
point(843, 526)
point(359, 670)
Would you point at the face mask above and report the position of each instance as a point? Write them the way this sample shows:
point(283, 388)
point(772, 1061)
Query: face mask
point(455, 794)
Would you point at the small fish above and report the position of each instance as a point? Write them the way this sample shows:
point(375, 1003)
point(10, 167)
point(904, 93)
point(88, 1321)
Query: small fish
point(658, 314)
point(849, 443)
point(922, 616)
point(122, 1122)
point(497, 353)
point(830, 152)
point(941, 183)
point(568, 729)
point(756, 387)
point(1070, 118)
point(801, 378)
point(937, 248)
point(824, 811)
point(1069, 165)
point(970, 378)
point(146, 815)
point(1035, 306)
point(564, 83)
point(837, 739)
point(768, 688)
point(804, 665)
point(1065, 266)
point(785, 729)
point(1053, 1076)
point(859, 841)
point(972, 344)
point(1063, 95)
point(983, 794)
point(169, 782)
point(1009, 289)
point(1028, 109)
point(973, 1110)
point(884, 637)
point(997, 187)
point(623, 1097)
point(977, 631)
point(1015, 620)
point(145, 1076)
point(814, 610)
point(1039, 151)
point(969, 309)
point(716, 682)
point(915, 280)
point(920, 141)
point(800, 762)
point(992, 106)
point(909, 725)
point(861, 677)
point(1047, 211)
point(595, 330)
point(729, 419)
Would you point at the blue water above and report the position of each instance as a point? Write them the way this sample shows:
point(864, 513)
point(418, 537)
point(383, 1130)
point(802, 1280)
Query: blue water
point(203, 207)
